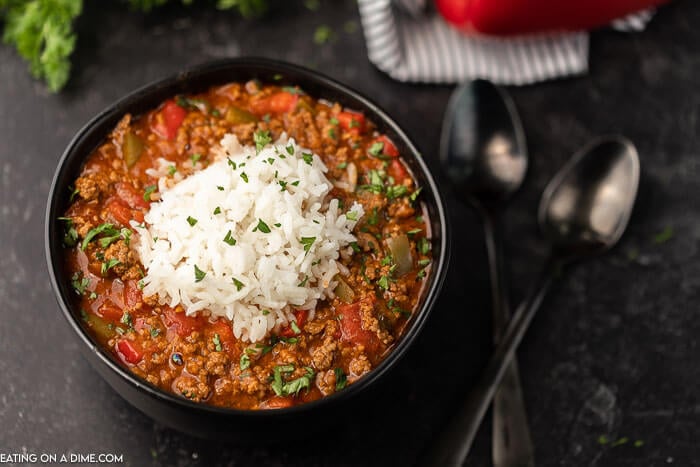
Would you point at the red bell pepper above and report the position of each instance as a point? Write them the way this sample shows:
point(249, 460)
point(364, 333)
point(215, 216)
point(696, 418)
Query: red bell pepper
point(129, 351)
point(168, 120)
point(351, 325)
point(352, 121)
point(277, 103)
point(514, 17)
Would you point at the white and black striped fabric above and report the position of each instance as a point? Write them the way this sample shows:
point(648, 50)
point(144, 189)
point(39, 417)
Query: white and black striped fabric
point(413, 44)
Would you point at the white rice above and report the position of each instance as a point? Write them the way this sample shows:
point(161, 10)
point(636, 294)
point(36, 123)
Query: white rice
point(276, 273)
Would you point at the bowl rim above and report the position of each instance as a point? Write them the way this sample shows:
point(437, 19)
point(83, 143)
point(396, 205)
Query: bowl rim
point(439, 268)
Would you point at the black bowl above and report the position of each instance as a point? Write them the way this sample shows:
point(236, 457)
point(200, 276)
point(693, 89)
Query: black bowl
point(201, 419)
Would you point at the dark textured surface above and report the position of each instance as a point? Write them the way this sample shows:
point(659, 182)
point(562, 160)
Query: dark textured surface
point(613, 352)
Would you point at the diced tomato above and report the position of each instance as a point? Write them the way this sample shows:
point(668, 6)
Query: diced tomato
point(131, 197)
point(389, 149)
point(351, 325)
point(179, 322)
point(168, 120)
point(352, 121)
point(110, 311)
point(119, 210)
point(129, 351)
point(300, 318)
point(277, 403)
point(277, 103)
point(397, 171)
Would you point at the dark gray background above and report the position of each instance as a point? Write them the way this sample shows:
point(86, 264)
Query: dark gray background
point(613, 352)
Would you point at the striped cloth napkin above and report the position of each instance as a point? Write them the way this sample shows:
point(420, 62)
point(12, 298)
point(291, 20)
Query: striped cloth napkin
point(413, 44)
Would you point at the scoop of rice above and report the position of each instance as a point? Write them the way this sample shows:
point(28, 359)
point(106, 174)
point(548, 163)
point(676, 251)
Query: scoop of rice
point(250, 237)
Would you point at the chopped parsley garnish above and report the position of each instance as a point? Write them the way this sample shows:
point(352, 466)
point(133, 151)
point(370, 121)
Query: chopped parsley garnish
point(141, 284)
point(376, 181)
point(265, 312)
point(126, 319)
point(424, 246)
point(295, 327)
point(123, 233)
point(109, 265)
point(283, 184)
point(373, 217)
point(219, 187)
point(191, 220)
point(331, 133)
point(290, 150)
point(396, 191)
point(295, 183)
point(198, 274)
point(262, 226)
point(155, 332)
point(376, 149)
point(231, 163)
point(383, 282)
point(303, 283)
point(355, 247)
point(229, 238)
point(106, 228)
point(340, 379)
point(387, 260)
point(342, 165)
point(148, 191)
point(73, 193)
point(333, 121)
point(419, 219)
point(80, 283)
point(244, 363)
point(293, 90)
point(288, 388)
point(171, 170)
point(244, 177)
point(424, 262)
point(239, 285)
point(307, 242)
point(270, 160)
point(413, 196)
point(308, 157)
point(92, 296)
point(351, 215)
point(278, 225)
point(70, 238)
point(217, 343)
point(421, 274)
point(217, 210)
point(664, 236)
point(261, 138)
point(195, 158)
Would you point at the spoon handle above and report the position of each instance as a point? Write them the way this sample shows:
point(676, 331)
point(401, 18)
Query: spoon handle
point(511, 441)
point(452, 444)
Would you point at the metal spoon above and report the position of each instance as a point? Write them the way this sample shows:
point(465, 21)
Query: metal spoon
point(583, 212)
point(483, 152)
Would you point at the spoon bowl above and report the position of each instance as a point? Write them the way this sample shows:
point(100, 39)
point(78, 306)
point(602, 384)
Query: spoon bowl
point(482, 145)
point(587, 205)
